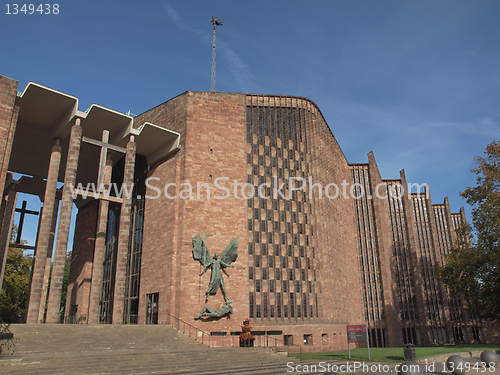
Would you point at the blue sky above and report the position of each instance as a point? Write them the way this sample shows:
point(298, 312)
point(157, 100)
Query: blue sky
point(416, 82)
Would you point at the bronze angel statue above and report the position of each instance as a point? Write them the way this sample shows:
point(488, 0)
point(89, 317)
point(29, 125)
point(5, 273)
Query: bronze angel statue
point(229, 255)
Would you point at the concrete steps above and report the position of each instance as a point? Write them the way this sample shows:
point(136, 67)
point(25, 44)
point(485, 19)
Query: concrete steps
point(122, 350)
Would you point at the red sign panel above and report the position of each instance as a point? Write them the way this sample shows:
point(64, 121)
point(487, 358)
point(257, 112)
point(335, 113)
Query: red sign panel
point(356, 333)
point(360, 328)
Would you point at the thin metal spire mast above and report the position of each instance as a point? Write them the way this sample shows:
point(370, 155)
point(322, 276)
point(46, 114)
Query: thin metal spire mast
point(215, 22)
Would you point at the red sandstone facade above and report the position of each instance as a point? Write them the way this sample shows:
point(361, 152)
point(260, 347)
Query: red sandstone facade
point(308, 264)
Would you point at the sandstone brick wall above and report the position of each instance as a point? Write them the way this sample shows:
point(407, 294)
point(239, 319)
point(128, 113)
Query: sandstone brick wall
point(157, 265)
point(8, 120)
point(161, 215)
point(335, 237)
point(171, 115)
point(213, 139)
point(325, 337)
point(208, 150)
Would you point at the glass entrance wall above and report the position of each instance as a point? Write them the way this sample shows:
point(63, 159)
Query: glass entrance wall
point(131, 306)
point(134, 254)
point(109, 267)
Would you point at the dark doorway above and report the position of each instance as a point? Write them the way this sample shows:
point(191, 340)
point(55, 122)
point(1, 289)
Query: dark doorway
point(152, 308)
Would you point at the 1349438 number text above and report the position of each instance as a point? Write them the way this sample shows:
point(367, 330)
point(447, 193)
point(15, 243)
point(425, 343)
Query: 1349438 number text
point(13, 9)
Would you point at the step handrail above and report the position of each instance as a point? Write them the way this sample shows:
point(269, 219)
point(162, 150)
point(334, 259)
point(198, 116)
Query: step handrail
point(191, 327)
point(178, 320)
point(288, 347)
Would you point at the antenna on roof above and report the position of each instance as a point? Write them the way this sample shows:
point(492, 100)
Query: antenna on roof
point(215, 22)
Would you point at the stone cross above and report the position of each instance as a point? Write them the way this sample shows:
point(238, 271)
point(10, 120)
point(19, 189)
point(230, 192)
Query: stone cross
point(105, 146)
point(23, 211)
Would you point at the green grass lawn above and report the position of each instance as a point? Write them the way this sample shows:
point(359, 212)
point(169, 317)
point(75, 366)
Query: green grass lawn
point(393, 354)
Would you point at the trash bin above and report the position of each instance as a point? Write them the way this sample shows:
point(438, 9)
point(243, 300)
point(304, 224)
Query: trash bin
point(409, 352)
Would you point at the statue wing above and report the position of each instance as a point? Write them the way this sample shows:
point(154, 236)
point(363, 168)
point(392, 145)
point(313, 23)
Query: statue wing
point(200, 251)
point(230, 254)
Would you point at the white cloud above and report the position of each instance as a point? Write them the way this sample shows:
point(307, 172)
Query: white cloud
point(488, 124)
point(174, 16)
point(239, 69)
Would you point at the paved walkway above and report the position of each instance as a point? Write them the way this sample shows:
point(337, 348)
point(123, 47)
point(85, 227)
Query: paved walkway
point(128, 350)
point(156, 349)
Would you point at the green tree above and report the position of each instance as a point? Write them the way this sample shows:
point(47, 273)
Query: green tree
point(473, 268)
point(15, 288)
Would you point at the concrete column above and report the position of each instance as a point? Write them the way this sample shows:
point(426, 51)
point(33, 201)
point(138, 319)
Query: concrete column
point(48, 262)
point(56, 281)
point(35, 313)
point(99, 252)
point(8, 218)
point(124, 234)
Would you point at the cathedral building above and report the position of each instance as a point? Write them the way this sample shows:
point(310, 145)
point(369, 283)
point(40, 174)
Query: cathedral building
point(321, 243)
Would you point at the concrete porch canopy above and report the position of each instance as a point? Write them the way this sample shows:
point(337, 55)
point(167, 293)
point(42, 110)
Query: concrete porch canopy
point(46, 114)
